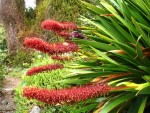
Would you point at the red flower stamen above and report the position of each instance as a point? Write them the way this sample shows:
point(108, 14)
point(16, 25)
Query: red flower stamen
point(68, 95)
point(43, 68)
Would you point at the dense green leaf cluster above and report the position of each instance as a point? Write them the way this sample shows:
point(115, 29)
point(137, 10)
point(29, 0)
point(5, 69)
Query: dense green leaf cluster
point(3, 51)
point(117, 51)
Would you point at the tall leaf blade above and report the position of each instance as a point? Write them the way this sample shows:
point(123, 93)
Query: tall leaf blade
point(93, 8)
point(105, 56)
point(117, 101)
point(138, 105)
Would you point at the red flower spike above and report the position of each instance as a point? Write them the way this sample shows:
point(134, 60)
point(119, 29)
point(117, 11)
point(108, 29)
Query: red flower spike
point(51, 25)
point(40, 69)
point(37, 43)
point(59, 48)
point(61, 58)
point(68, 95)
point(56, 48)
point(58, 26)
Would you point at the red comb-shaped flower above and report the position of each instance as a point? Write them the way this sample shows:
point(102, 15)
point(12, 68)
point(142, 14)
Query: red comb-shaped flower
point(56, 48)
point(52, 25)
point(64, 47)
point(37, 43)
point(68, 95)
point(43, 68)
point(58, 26)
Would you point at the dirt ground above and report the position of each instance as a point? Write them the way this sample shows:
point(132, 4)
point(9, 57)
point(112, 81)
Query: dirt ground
point(7, 103)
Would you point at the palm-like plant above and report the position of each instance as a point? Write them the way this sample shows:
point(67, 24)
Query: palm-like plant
point(117, 51)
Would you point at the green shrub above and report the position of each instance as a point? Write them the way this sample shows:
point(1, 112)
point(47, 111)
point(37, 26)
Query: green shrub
point(3, 52)
point(117, 51)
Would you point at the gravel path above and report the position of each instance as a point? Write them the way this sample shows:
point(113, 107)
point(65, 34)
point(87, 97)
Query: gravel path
point(7, 103)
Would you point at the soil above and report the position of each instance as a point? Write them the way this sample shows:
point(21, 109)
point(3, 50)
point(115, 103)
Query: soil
point(7, 102)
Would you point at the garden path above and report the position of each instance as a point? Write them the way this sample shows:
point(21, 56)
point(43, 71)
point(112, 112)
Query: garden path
point(7, 103)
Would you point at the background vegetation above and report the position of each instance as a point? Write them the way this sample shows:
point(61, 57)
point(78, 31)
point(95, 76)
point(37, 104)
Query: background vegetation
point(3, 52)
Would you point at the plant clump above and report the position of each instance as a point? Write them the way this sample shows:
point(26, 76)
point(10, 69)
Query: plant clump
point(57, 52)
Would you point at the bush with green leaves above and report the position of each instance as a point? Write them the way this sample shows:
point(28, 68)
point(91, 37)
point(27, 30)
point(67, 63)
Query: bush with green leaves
point(116, 51)
point(3, 51)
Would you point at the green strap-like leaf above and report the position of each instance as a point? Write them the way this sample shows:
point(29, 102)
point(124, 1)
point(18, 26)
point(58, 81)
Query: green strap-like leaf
point(146, 39)
point(138, 105)
point(97, 45)
point(145, 90)
point(94, 8)
point(128, 24)
point(143, 103)
point(105, 56)
point(134, 4)
point(144, 27)
point(115, 34)
point(129, 50)
point(117, 101)
point(128, 36)
point(146, 69)
point(97, 24)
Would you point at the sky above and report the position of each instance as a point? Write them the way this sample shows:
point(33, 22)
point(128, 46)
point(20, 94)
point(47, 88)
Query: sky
point(30, 3)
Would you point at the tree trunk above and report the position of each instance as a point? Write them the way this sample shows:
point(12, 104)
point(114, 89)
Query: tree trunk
point(11, 15)
point(38, 1)
point(20, 11)
point(11, 38)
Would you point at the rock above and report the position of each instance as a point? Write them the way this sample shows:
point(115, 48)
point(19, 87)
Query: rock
point(8, 91)
point(35, 109)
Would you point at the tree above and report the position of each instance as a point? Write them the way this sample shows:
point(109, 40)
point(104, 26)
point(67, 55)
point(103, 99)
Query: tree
point(12, 17)
point(38, 1)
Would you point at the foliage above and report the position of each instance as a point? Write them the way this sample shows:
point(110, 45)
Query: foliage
point(55, 10)
point(49, 9)
point(33, 19)
point(2, 38)
point(22, 59)
point(45, 79)
point(117, 51)
point(40, 16)
point(3, 51)
point(30, 16)
point(49, 80)
point(69, 13)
